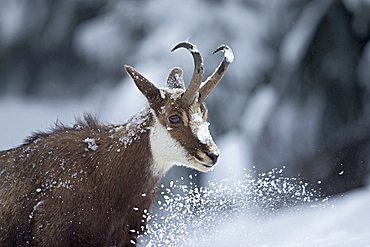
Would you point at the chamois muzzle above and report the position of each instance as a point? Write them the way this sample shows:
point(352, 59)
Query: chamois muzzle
point(213, 157)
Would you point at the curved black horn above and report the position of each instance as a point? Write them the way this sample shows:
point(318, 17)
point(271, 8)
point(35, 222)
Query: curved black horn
point(214, 79)
point(196, 80)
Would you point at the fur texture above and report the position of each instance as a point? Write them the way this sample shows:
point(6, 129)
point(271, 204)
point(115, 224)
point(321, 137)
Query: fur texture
point(58, 191)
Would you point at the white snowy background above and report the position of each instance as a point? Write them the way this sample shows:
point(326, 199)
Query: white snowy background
point(343, 220)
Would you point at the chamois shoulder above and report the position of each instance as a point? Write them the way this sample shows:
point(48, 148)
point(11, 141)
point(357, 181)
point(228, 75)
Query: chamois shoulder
point(87, 122)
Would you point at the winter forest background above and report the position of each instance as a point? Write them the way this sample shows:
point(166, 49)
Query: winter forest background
point(296, 97)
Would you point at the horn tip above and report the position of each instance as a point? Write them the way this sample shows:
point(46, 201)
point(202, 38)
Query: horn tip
point(228, 53)
point(130, 70)
point(127, 67)
point(189, 46)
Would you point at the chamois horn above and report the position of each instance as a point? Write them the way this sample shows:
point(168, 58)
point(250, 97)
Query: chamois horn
point(213, 80)
point(196, 80)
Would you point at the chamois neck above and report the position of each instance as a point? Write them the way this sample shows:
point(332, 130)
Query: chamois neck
point(133, 129)
point(131, 141)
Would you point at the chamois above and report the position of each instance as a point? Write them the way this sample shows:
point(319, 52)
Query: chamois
point(93, 184)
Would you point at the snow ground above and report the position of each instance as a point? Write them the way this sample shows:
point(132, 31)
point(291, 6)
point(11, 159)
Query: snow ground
point(341, 221)
point(344, 222)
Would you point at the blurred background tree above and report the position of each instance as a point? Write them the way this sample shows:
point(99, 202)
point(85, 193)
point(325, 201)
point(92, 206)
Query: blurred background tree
point(296, 96)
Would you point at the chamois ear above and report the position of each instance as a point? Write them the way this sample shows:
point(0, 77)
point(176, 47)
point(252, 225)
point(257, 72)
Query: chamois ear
point(174, 79)
point(148, 89)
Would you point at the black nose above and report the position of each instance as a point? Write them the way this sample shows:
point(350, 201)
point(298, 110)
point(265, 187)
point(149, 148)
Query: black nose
point(214, 157)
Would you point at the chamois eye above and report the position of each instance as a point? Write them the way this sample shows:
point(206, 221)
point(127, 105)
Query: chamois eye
point(175, 119)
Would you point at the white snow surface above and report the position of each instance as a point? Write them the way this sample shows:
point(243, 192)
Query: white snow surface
point(343, 222)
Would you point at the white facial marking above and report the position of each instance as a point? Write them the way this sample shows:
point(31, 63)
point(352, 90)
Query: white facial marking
point(200, 129)
point(166, 151)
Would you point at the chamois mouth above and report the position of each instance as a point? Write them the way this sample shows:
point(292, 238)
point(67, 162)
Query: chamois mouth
point(206, 166)
point(202, 162)
point(213, 160)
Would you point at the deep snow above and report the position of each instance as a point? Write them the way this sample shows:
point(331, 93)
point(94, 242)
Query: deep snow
point(343, 222)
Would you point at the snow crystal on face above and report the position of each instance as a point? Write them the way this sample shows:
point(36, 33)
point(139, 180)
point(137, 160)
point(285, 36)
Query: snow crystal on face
point(91, 144)
point(163, 110)
point(200, 127)
point(196, 117)
point(163, 94)
point(203, 133)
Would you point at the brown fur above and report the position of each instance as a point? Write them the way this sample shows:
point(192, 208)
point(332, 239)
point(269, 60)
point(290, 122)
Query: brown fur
point(56, 191)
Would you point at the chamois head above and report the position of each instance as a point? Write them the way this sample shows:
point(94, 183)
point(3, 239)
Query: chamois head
point(179, 133)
